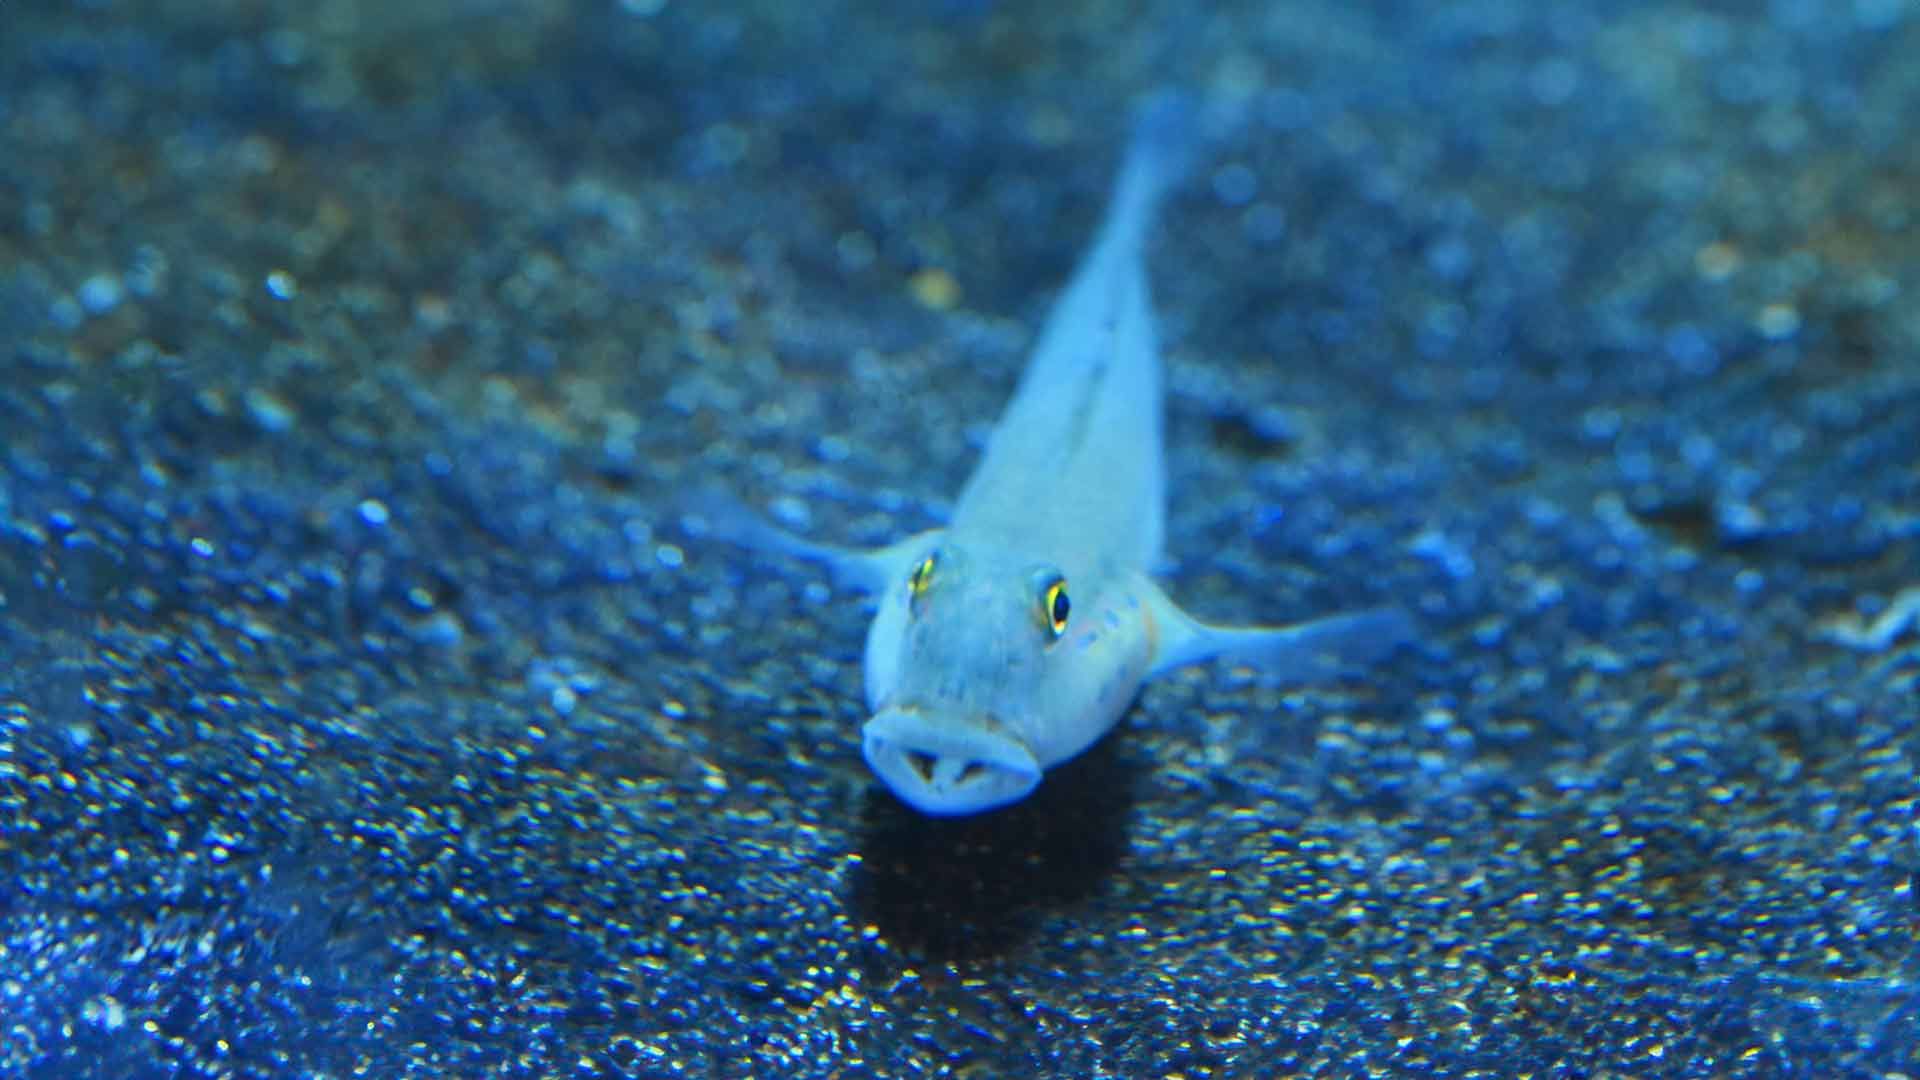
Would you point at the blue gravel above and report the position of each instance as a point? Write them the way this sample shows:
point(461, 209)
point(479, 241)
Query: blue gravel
point(371, 708)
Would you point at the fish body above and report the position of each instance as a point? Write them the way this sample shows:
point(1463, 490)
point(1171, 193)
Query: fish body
point(1015, 637)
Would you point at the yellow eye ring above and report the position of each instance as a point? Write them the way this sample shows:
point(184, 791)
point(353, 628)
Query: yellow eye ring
point(922, 577)
point(1055, 607)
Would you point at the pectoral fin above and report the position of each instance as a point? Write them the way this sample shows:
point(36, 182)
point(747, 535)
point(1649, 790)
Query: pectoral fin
point(1302, 652)
point(869, 570)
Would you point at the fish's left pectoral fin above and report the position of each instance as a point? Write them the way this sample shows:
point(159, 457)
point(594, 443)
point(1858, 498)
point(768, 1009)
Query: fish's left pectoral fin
point(717, 516)
point(1310, 651)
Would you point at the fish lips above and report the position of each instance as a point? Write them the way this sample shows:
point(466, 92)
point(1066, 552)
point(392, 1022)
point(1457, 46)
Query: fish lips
point(945, 764)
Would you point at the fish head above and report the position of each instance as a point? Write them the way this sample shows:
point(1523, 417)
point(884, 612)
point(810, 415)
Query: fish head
point(959, 663)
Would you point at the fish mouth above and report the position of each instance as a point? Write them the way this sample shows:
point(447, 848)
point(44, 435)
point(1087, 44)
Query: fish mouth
point(947, 765)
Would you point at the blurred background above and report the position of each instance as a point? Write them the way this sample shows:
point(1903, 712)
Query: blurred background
point(367, 706)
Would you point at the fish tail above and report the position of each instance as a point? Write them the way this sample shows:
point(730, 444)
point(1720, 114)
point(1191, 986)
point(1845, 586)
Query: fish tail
point(1166, 139)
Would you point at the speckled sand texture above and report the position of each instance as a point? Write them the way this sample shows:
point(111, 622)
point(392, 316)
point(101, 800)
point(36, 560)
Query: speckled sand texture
point(369, 707)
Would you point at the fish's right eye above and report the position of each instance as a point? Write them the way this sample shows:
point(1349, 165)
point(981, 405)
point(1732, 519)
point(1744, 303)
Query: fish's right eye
point(918, 582)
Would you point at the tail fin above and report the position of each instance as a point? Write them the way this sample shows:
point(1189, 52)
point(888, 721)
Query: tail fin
point(1166, 139)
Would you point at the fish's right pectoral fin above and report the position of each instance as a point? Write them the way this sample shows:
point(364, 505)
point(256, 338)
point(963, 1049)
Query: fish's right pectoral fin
point(718, 516)
point(1310, 651)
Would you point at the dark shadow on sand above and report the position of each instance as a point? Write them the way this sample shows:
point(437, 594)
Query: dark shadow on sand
point(959, 889)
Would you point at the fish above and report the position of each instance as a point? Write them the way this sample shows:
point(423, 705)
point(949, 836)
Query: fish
point(1015, 637)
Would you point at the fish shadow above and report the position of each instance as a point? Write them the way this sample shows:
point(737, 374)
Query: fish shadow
point(972, 888)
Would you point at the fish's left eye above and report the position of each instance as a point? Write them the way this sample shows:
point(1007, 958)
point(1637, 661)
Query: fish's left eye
point(1055, 606)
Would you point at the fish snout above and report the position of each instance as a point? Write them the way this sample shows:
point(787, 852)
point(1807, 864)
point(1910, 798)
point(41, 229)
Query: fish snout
point(945, 764)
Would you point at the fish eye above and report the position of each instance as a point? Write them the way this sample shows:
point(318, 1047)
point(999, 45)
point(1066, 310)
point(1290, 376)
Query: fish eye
point(921, 578)
point(1055, 606)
